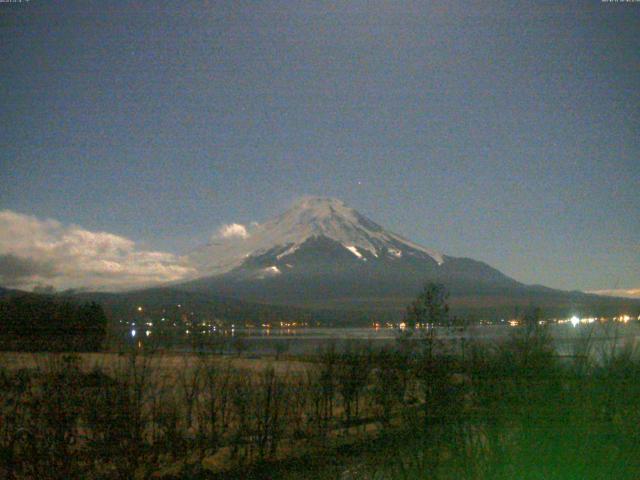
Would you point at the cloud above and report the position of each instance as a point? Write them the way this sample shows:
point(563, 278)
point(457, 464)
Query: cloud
point(233, 230)
point(35, 252)
point(619, 292)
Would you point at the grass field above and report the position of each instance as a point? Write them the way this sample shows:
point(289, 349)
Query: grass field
point(409, 411)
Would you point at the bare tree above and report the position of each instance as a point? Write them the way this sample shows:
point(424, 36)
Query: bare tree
point(300, 401)
point(216, 402)
point(430, 307)
point(241, 401)
point(133, 379)
point(352, 373)
point(326, 378)
point(390, 375)
point(270, 401)
point(189, 381)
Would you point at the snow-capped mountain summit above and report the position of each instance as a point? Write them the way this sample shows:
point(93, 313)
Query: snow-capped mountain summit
point(321, 252)
point(308, 218)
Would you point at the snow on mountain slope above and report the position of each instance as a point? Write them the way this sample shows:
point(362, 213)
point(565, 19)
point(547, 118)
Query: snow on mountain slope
point(323, 255)
point(309, 217)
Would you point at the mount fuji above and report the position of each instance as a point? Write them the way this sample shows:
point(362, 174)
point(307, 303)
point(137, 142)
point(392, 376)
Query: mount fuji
point(322, 254)
point(310, 219)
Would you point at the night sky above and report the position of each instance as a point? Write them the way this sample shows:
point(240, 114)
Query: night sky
point(503, 131)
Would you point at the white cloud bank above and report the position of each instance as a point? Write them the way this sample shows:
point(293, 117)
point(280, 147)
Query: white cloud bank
point(233, 230)
point(619, 292)
point(36, 252)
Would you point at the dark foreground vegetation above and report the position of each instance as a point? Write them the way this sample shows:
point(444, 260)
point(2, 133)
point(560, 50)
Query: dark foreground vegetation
point(414, 411)
point(33, 322)
point(422, 409)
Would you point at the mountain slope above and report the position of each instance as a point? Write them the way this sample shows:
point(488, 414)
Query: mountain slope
point(323, 254)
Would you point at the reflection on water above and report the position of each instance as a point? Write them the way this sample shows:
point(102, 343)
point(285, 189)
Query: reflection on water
point(568, 339)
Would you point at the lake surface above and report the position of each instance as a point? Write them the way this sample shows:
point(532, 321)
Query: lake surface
point(567, 339)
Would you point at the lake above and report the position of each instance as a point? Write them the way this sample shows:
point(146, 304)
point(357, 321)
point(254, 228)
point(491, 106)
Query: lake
point(566, 338)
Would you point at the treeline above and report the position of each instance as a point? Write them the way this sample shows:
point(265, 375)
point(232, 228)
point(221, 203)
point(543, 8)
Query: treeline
point(170, 303)
point(32, 322)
